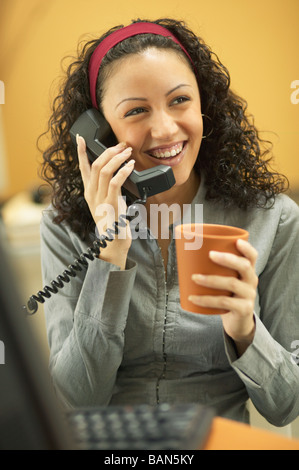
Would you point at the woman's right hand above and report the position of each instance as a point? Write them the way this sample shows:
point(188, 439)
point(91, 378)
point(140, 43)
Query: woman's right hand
point(102, 191)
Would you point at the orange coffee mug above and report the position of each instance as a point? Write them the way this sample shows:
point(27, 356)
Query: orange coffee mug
point(193, 244)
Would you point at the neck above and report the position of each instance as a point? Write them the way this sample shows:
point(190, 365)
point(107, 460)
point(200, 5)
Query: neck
point(178, 195)
point(182, 194)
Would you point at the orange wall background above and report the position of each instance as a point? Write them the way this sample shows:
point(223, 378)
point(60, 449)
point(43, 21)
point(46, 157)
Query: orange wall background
point(256, 40)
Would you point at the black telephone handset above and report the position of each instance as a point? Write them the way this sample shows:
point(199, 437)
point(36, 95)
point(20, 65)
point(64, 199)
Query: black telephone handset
point(98, 135)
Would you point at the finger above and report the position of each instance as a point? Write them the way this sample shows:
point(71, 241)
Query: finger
point(247, 250)
point(239, 263)
point(119, 179)
point(210, 301)
point(108, 171)
point(84, 164)
point(232, 304)
point(112, 201)
point(228, 283)
point(100, 163)
point(108, 154)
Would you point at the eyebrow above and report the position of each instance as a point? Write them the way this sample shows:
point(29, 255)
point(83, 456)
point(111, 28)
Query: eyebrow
point(175, 88)
point(145, 99)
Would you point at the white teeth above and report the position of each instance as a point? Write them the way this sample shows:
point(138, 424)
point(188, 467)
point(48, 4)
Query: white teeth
point(168, 153)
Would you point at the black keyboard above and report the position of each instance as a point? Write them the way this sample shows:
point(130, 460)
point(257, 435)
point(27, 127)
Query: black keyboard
point(142, 427)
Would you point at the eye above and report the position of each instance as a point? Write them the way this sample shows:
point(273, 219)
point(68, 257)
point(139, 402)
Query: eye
point(135, 111)
point(180, 99)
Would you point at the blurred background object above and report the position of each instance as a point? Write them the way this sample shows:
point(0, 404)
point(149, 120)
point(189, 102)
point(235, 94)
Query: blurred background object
point(257, 41)
point(20, 221)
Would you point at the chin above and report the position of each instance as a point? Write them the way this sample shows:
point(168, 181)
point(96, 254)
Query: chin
point(181, 179)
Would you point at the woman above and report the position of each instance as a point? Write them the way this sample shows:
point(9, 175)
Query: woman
point(117, 332)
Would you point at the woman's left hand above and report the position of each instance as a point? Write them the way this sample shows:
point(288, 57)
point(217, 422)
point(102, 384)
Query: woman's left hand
point(239, 322)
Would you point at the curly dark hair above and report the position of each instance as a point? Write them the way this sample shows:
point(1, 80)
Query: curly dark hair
point(233, 158)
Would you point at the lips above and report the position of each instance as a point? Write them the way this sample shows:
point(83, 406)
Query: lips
point(169, 151)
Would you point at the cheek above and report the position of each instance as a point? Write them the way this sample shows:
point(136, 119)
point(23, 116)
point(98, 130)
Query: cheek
point(117, 132)
point(197, 122)
point(126, 134)
point(192, 122)
point(134, 140)
point(197, 131)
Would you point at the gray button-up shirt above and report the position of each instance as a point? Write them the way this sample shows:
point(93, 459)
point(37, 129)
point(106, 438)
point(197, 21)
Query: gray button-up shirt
point(121, 337)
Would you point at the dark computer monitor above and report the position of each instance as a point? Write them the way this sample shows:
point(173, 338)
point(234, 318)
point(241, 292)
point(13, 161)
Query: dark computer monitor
point(30, 416)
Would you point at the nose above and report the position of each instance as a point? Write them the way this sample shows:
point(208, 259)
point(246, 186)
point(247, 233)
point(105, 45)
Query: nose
point(163, 125)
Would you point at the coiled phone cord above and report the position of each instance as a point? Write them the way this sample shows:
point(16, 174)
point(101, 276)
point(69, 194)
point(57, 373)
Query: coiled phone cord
point(91, 253)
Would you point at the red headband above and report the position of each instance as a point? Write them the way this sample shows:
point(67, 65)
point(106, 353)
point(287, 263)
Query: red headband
point(117, 37)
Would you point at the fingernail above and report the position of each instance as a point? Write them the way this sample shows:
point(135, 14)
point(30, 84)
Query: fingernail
point(79, 138)
point(127, 151)
point(197, 277)
point(121, 145)
point(131, 163)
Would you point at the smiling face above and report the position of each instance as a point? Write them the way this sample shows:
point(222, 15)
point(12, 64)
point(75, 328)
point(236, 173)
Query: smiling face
point(152, 102)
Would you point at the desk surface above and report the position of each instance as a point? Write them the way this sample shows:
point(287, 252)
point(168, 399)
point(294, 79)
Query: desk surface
point(231, 435)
